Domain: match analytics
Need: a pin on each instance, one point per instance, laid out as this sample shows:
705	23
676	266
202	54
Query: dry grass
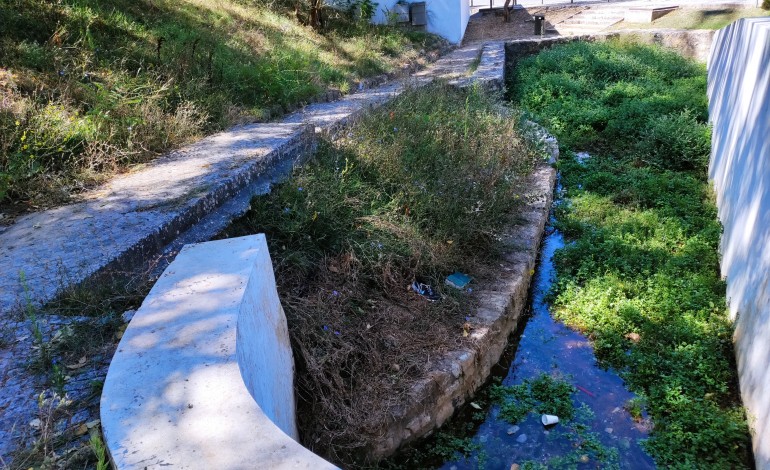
415	191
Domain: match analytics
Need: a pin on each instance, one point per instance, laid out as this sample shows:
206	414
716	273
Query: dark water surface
545	345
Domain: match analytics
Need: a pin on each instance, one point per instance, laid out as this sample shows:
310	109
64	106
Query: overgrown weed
641	276
416	190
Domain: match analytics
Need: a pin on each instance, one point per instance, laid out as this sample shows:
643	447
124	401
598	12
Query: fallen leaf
633	337
475	405
82	429
121	330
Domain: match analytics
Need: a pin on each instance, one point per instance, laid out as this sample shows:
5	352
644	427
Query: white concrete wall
739	108
446	18
203	376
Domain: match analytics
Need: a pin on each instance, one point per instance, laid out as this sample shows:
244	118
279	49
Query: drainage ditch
606	426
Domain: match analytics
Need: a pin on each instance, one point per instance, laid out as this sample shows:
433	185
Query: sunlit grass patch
90	87
641	274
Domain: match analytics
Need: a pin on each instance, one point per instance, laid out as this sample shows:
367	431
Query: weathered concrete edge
212	211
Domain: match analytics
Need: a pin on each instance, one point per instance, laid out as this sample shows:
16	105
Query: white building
446	18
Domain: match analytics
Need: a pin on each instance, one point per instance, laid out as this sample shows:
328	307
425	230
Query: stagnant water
545	345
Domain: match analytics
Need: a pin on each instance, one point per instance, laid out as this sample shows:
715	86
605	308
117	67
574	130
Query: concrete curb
203	376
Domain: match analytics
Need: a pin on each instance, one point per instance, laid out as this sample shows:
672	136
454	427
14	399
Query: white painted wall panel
739	109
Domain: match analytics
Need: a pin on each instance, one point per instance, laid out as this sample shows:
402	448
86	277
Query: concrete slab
646	15
203	376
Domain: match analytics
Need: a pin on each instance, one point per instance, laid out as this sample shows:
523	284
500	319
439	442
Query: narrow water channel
601	435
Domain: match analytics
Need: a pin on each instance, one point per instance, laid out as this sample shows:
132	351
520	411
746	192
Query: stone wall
739	109
693	44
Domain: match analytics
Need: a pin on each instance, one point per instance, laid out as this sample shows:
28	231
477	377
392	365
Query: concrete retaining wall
739	109
692	44
203	376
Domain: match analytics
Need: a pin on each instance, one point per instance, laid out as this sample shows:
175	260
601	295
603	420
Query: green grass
641	275
457	441
701	18
90	87
544	395
418	189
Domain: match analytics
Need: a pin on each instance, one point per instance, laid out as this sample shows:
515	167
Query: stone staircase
591	20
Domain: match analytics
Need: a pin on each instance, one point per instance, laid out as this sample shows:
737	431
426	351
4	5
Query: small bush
675	142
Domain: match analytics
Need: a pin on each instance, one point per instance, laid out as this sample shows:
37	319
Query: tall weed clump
416	190
641	275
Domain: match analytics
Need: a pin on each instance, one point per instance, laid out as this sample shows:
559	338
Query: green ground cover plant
641	273
90	87
416	190
458	442
543	394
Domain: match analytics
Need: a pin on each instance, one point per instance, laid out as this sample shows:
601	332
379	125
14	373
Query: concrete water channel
544	345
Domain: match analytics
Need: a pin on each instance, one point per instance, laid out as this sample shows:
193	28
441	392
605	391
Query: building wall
446	18
739	109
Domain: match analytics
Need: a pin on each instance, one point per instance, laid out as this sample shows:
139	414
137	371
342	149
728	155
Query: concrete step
593	21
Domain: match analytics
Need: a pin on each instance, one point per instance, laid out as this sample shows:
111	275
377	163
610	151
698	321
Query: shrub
675	142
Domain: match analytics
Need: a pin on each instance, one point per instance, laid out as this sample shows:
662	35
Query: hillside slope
90	87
